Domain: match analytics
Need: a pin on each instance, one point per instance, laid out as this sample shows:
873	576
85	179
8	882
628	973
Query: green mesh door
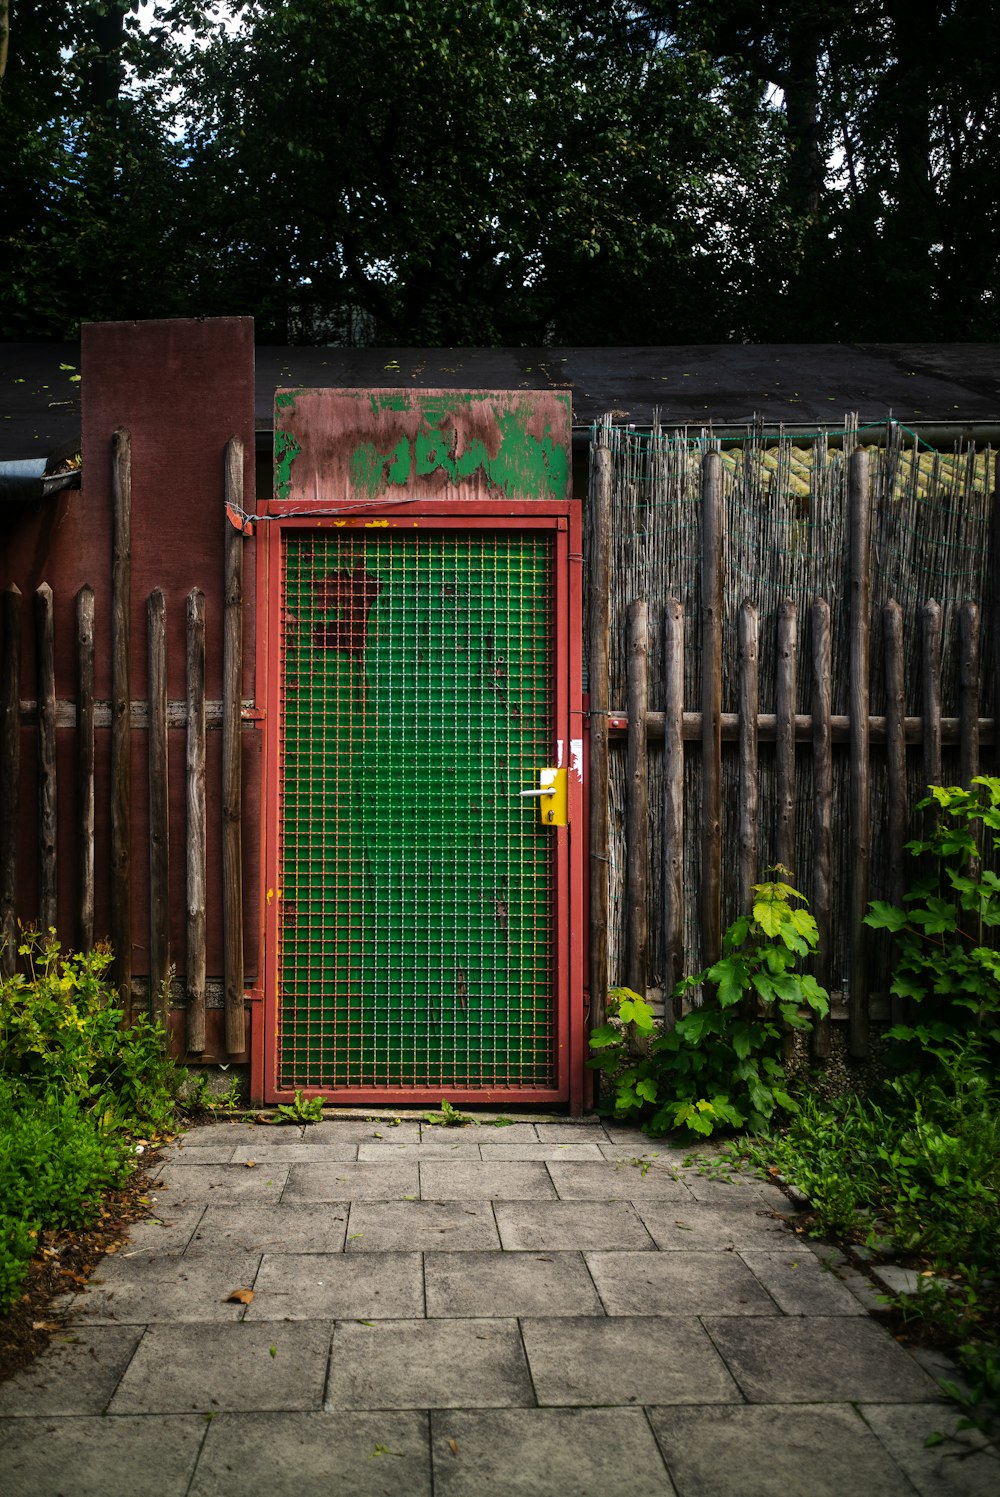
416	915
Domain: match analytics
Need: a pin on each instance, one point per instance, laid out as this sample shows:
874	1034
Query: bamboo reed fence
123	716
785	647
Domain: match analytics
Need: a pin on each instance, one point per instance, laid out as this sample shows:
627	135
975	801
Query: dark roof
802	385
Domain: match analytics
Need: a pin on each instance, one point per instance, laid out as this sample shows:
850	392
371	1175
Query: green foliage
74	1087
301	1110
947	963
448	1117
914	1173
720	1066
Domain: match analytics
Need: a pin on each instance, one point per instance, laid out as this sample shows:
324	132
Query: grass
76	1088
914	1175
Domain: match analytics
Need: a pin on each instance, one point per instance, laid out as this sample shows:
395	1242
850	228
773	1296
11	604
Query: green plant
61	1024
200	1095
720	1066
448	1117
943	961
301	1110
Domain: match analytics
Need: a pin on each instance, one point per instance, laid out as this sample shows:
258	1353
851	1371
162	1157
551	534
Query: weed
301	1110
720	1066
448	1117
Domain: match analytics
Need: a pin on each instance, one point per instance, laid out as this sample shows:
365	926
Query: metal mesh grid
416	916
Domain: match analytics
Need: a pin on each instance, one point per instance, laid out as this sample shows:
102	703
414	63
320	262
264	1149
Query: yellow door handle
551	796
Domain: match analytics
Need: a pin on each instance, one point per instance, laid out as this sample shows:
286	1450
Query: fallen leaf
453	1446
239	1296
274	1351
251	1164
45	1325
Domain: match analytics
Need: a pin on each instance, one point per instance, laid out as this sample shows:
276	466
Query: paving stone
963	1466
362	1131
622	1153
76	1374
800	1284
419	1364
479	1180
746	1191
237	1133
498	1153
203	1153
582	1130
546	1453
840	1360
625	1360
198	1185
554	1226
168	1289
178	1369
457	1148
621	1181
421	1226
95	1457
338	1286
712	1228
677	1284
822	1451
270	1152
368	1180
508	1133
316	1228
296	1455
169	1231
509	1284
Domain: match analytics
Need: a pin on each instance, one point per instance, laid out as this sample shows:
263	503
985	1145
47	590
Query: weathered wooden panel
351	446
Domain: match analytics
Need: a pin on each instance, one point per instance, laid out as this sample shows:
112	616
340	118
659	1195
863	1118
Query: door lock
551	796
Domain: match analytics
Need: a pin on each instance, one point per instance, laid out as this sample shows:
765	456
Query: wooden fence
123	717
833	801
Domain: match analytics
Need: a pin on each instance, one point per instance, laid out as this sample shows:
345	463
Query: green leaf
885	916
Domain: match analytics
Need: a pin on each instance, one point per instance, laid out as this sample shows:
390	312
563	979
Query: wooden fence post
121	718
711	709
822	819
45	671
196	854
159	815
85	760
968	628
860	604
930	639
232	745
784	841
895	741
599	683
10	770
749	786
673	798
637	807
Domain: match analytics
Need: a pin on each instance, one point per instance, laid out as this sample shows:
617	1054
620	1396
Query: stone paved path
553	1309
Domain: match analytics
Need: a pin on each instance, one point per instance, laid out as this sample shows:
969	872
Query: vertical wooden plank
637	807
859	585
232	788
711	708
159	808
45	672
599	676
895	735
822	819
85	761
968	629
785	681
121	726
196	844
930	638
673	798
10	774
749	791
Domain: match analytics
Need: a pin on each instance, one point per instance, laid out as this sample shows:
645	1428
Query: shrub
720	1066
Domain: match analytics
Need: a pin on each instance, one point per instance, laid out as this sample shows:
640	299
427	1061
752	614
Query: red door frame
562	518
